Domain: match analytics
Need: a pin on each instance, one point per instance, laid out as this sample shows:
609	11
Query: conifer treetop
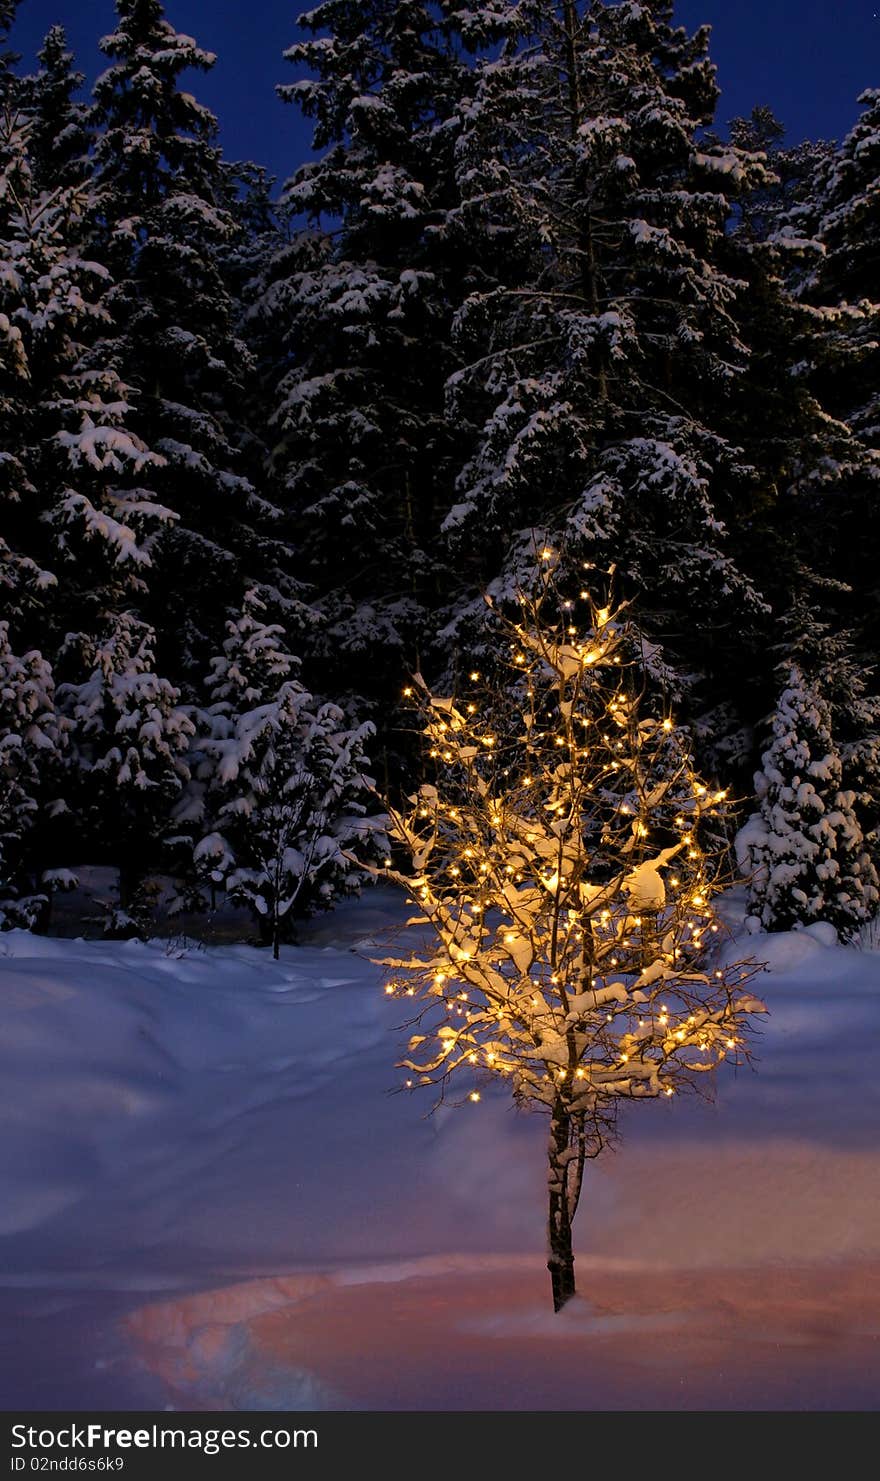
59	127
376	66
144	34
8	10
148	119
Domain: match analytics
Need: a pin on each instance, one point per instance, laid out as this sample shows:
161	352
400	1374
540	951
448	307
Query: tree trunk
576	104
650	937
266	925
269	926
128	884
560	1260
43	922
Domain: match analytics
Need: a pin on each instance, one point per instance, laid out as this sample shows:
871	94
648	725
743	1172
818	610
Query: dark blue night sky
805	58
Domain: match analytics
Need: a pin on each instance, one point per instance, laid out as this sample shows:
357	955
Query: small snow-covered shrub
280	790
803	850
30	739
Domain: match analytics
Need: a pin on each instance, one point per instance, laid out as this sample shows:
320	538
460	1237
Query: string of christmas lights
565	855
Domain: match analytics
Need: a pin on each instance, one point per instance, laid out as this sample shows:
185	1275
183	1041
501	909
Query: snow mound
211	1199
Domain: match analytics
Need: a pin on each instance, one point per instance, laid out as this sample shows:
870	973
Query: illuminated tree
559	857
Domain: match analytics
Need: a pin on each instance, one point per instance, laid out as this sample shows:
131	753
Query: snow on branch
558	855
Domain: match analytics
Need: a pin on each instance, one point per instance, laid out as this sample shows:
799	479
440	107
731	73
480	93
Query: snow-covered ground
210	1199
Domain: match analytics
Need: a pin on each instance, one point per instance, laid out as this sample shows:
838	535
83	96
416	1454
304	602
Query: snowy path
209	1198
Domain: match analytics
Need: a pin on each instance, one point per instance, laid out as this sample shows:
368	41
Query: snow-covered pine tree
72	475
788	189
831	660
14	173
81	529
804	849
280	794
838	223
360	306
558	852
130	738
8	58
30	745
601	338
813	340
16	572
844	214
165	222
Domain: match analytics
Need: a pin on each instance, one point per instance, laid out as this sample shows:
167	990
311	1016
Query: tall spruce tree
601	336
827	246
843	211
361	304
83	525
13	366
164	224
817	537
843	355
